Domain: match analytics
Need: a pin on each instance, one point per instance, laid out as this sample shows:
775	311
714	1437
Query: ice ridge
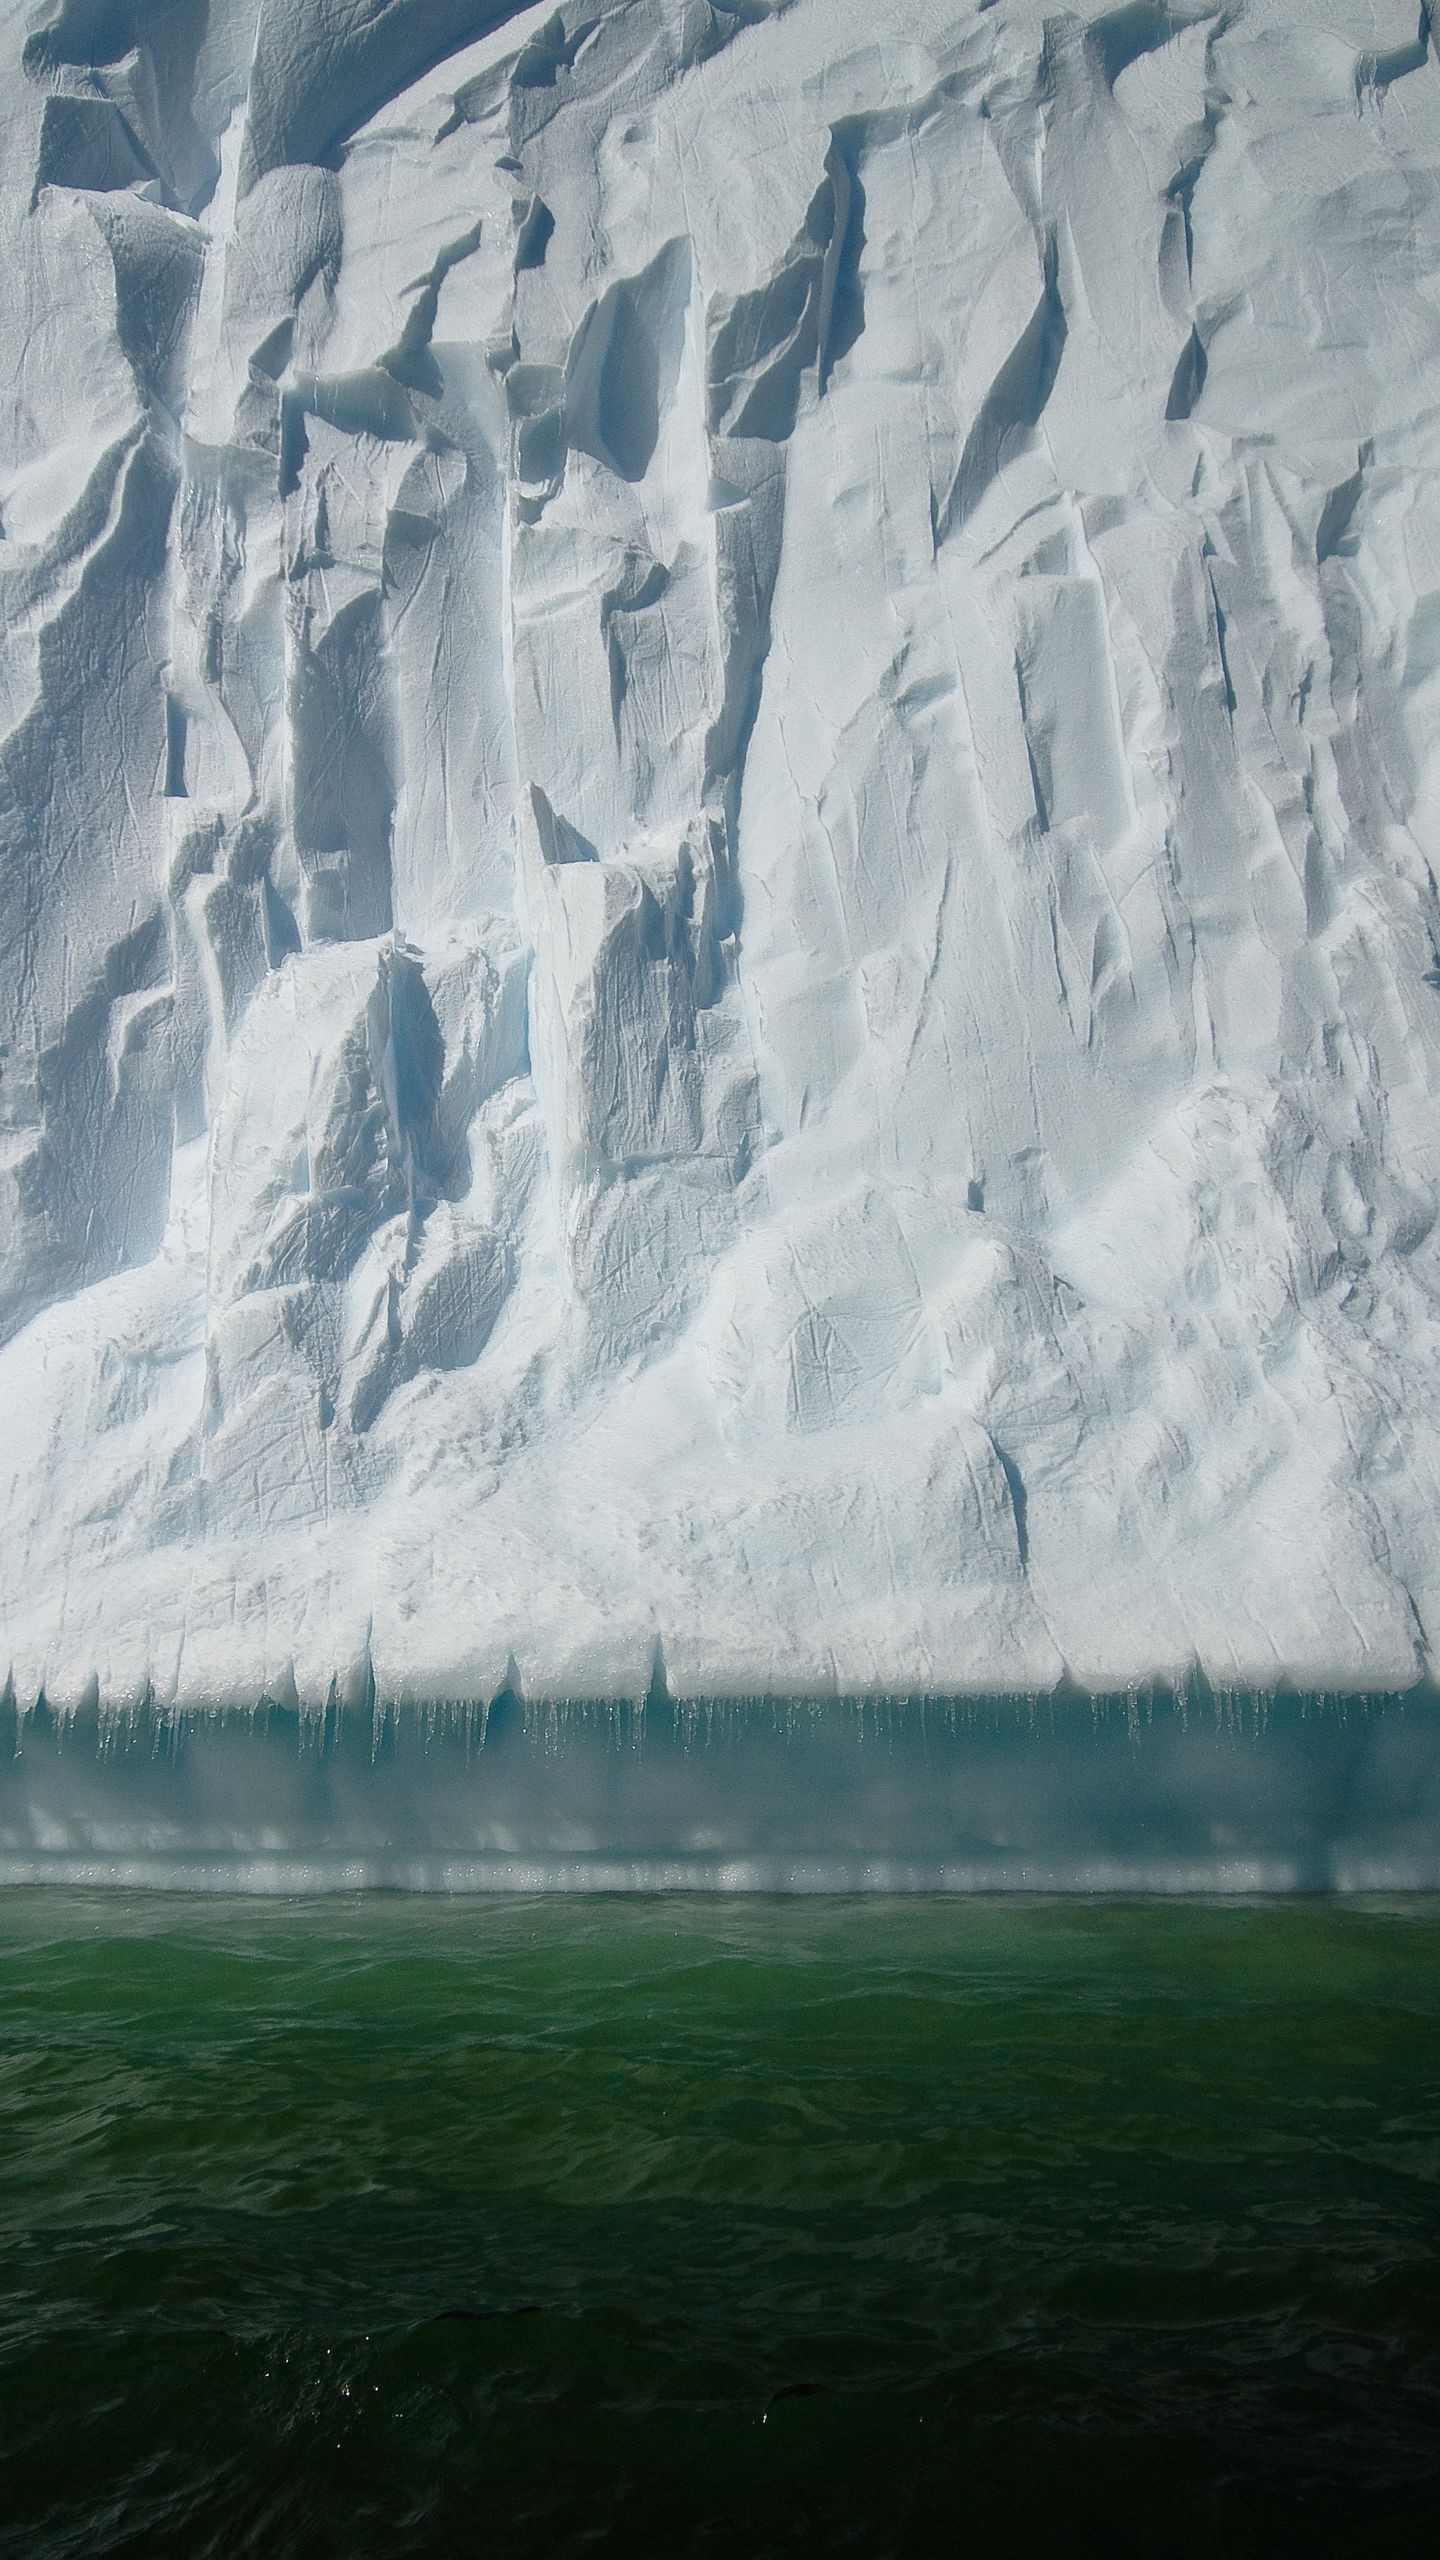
718	799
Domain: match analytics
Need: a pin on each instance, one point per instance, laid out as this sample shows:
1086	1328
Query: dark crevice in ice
1034	756
175	727
122	77
624	363
1189	379
643	584
1379	71
1015	1487
1180	193
1015	403
1127	34
809	312
294	443
552	49
1222	650
534	232
559	841
321	70
411	361
87	142
343	793
1334	537
842	295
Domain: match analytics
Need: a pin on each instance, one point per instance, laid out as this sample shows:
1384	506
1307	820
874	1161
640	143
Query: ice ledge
208	1678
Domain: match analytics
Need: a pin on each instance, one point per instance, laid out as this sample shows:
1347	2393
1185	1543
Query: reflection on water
394	2225
1154	1795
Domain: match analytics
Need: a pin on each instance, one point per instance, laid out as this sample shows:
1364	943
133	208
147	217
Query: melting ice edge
1149	1794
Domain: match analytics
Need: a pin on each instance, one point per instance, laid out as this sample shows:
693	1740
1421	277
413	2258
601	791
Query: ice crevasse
719	784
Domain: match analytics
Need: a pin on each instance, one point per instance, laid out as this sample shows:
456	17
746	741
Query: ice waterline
1158	1792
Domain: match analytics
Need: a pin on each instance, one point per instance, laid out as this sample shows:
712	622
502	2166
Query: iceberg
719	793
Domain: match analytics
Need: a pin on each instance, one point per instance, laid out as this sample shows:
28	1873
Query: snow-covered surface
721	760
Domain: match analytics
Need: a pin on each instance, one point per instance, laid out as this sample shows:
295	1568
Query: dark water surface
677	2226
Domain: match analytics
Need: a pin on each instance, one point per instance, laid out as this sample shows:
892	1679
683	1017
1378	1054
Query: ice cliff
720	768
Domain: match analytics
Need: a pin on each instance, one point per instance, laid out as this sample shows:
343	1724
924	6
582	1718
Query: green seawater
386	2226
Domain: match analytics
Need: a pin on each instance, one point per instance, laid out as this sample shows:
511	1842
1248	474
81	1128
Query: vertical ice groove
718	918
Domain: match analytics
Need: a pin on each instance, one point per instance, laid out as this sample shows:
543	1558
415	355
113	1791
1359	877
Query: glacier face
719	784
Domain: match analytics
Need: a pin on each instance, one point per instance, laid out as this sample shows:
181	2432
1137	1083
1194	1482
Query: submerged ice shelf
719	775
1147	1795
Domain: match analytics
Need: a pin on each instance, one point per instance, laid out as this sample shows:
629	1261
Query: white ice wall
717	802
